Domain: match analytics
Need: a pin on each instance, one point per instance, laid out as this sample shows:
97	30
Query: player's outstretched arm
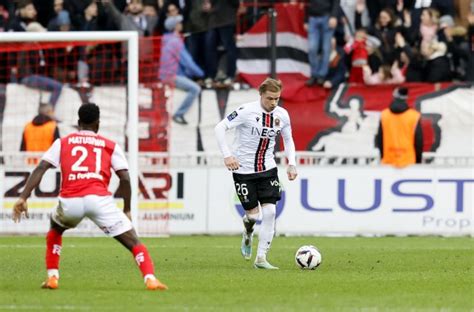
21	206
125	190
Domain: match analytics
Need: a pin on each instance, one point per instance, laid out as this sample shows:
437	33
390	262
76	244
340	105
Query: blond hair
271	85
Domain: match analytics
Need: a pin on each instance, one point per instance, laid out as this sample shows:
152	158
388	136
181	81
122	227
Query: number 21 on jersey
83	154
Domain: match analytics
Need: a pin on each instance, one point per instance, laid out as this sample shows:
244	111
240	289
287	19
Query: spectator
58	8
322	20
26	13
356	14
412	61
400	137
222	20
63	60
375	6
32	70
387	74
197	26
177	66
40	133
375	58
133	19
445	7
89	17
356	47
150	10
337	67
437	67
62	22
172	8
384	29
428	25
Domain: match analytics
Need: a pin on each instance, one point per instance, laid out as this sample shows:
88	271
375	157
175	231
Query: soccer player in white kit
86	160
257	125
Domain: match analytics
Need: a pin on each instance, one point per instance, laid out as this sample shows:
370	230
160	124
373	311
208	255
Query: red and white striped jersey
86	160
256	131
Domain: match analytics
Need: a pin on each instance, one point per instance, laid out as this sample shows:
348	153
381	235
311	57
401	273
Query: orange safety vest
38	138
399	137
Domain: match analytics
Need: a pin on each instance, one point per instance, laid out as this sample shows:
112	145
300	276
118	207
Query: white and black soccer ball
308	257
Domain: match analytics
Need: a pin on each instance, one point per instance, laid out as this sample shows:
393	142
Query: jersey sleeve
287	135
236	118
53	154
119	162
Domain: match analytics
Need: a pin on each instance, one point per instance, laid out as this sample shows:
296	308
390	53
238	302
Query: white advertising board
419	200
169	202
359	201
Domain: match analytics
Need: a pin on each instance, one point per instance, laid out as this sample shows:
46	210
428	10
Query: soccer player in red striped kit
86	160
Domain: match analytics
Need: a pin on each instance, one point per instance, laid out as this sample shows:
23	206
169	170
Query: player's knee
252	214
129	239
269	210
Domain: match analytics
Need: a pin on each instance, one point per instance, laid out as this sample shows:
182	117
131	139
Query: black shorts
263	187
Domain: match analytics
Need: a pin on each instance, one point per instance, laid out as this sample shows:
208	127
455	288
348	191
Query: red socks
54	241
143	260
53	252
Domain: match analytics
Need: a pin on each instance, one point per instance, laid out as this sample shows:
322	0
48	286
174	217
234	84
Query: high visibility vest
399	137
38	138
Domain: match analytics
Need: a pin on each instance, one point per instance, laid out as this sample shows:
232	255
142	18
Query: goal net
61	71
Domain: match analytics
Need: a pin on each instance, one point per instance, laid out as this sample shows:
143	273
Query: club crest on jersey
232	116
277	122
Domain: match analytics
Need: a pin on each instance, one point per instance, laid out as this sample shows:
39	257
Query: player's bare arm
125	190
21	206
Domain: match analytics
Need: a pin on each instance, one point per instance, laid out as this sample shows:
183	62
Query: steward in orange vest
400	136
40	133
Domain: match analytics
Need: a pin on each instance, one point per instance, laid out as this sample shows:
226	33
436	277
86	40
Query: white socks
53	272
267	230
149	276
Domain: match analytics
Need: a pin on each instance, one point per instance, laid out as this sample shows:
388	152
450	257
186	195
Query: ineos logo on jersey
265	132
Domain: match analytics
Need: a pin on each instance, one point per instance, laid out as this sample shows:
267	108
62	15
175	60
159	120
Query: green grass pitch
207	273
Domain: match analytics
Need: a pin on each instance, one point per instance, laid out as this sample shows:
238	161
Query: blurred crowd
389	41
372	42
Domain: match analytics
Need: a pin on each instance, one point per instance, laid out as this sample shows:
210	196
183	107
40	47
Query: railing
202	159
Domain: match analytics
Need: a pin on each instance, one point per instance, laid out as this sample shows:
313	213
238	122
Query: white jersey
256	131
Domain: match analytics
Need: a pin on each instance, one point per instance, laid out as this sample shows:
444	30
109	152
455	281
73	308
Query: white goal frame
131	37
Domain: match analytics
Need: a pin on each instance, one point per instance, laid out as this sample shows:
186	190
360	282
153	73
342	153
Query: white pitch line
38	307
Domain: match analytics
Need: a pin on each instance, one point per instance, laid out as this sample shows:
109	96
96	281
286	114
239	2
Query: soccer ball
308	257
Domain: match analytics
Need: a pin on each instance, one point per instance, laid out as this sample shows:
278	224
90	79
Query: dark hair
23	3
89	113
400	93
